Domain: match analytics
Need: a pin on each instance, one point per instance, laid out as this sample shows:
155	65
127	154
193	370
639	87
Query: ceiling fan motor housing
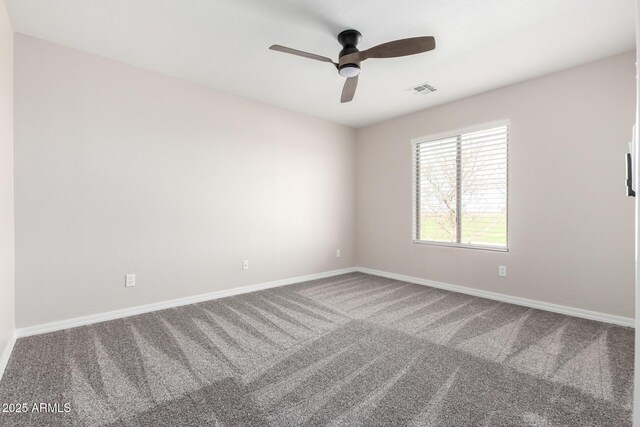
349	39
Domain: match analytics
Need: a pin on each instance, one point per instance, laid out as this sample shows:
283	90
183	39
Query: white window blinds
461	189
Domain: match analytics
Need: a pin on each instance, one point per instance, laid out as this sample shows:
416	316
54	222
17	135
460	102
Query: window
461	189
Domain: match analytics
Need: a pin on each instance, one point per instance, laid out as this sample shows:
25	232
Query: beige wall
120	170
571	228
636	396
7	301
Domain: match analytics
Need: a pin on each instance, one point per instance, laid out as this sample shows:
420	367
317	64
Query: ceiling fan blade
302	53
394	49
349	89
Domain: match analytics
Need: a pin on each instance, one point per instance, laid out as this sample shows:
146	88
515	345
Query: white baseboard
141	309
540	305
6	353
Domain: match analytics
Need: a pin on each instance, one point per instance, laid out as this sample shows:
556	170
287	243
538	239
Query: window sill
459	245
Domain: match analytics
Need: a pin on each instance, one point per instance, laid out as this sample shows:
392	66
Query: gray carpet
348	350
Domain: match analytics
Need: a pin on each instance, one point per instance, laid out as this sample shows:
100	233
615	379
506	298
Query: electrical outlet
130	280
245	264
502	270
338	253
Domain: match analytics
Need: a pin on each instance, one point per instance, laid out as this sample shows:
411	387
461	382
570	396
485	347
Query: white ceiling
481	44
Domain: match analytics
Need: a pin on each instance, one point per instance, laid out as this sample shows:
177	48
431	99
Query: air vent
424	88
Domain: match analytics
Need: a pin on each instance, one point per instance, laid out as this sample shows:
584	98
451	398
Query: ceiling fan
350	57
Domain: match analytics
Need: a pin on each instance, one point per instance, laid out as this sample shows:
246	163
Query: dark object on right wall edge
630	191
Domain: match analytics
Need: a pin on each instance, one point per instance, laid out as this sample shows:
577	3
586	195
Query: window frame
414	185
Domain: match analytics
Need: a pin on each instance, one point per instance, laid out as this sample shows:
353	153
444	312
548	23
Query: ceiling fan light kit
349	70
350	56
